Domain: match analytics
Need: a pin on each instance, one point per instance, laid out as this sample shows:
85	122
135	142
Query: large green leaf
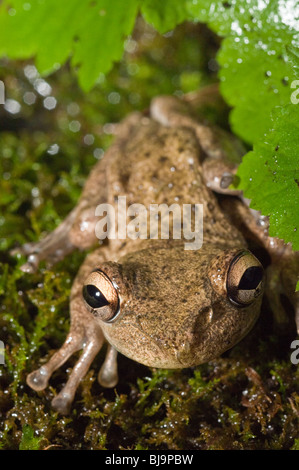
259	66
257	57
91	32
270	175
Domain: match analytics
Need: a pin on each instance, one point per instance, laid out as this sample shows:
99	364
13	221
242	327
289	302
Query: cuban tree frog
151	299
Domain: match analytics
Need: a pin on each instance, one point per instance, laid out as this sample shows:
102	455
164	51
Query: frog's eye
101	296
244	279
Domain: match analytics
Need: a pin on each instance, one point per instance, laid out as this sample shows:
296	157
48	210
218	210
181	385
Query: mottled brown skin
174	306
206	322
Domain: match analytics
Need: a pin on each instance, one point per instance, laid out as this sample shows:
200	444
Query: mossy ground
248	399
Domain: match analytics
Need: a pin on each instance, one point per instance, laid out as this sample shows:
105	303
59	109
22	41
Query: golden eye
101	296
245	279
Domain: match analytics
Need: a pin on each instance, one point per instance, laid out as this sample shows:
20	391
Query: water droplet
88	139
74	126
130	45
73	109
29	98
35	192
114	97
109	128
133	69
12	106
53	149
30	72
98	153
42	87
50	102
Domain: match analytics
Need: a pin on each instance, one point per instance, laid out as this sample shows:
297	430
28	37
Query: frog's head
172	308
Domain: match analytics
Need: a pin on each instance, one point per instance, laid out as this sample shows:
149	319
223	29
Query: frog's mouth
224	330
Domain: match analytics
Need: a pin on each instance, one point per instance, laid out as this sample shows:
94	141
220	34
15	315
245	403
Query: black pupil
251	278
94	297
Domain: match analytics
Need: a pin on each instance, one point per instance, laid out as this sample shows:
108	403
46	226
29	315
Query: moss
248	399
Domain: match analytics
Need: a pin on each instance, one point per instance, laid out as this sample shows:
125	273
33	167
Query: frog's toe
22	250
30	250
31	265
32	258
226	179
108	376
38	379
62	403
51	249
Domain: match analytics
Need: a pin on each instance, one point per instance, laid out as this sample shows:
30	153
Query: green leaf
91	32
258	57
270	175
297	286
102	35
164	15
28	441
242	69
259	65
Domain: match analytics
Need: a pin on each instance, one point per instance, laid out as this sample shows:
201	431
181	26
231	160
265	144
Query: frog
152	300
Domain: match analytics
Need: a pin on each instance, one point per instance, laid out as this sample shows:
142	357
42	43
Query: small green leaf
295	445
28	441
270	175
297	286
164	15
101	38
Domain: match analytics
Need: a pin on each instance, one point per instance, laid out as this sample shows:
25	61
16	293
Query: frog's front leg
290	270
282	273
54	247
76	231
222	151
86	334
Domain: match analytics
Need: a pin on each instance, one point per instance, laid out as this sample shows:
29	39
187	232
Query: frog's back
156	164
